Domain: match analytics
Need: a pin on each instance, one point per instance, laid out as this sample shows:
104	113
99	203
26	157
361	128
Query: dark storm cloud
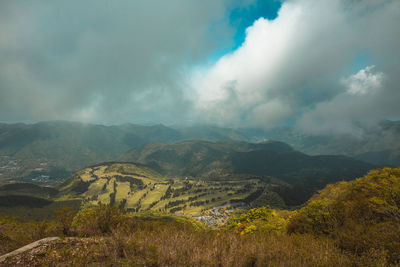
97	60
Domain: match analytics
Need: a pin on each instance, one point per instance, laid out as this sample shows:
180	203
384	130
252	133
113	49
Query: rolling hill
195	158
139	188
136	188
305	174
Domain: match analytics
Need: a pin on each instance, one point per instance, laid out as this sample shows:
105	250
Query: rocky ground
50	252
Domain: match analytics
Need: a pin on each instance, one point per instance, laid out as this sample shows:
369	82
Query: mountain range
55	149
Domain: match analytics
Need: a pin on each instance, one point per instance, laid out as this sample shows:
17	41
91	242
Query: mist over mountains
377	143
56	148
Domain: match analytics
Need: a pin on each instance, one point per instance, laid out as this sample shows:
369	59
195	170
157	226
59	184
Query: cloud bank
320	65
106	61
305	66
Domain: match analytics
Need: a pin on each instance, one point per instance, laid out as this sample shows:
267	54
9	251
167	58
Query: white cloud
292	67
240	82
364	82
357	104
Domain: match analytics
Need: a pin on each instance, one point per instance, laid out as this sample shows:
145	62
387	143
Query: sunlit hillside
138	188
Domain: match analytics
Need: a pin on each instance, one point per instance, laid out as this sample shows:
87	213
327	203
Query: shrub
101	220
64	216
262	219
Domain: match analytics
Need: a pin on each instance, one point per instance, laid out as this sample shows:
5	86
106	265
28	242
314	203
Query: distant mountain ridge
58	148
68	146
378	144
55	149
194	158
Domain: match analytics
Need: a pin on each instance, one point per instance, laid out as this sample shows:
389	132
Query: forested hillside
56	149
46	151
305	174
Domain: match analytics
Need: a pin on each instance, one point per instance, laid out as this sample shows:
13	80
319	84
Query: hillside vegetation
346	224
136	187
216	160
196	158
139	188
362	215
208	175
196	176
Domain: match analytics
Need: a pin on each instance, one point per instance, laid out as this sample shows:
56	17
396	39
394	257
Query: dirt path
28	247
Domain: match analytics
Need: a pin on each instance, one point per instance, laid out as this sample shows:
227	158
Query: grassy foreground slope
346	224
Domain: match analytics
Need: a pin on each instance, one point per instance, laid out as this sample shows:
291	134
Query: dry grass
113	238
173	244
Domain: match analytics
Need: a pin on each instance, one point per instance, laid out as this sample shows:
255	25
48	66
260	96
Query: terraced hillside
217	160
139	188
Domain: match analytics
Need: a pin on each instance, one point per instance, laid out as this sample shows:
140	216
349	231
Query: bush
262	219
101	220
64	217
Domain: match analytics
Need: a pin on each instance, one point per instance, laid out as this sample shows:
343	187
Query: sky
322	66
